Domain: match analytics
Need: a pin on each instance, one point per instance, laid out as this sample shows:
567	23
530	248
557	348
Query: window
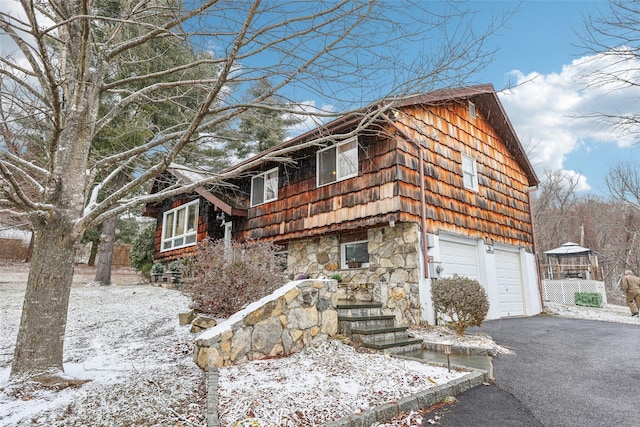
354	254
472	110
337	162
180	226
264	187
469	173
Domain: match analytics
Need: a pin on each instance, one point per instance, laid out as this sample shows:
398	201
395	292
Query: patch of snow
127	341
608	313
236	317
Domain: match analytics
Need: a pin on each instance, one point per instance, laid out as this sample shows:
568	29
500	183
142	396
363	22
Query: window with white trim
180	226
472	109
337	162
469	173
264	187
354	254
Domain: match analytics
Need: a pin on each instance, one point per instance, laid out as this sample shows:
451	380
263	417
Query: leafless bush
461	299
222	280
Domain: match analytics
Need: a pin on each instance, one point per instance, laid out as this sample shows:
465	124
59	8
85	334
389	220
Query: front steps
368	327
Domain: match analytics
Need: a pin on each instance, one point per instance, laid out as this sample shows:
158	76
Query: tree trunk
40	341
30	248
105	252
92	254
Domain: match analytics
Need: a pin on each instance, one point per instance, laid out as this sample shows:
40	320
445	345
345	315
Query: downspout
423	202
423	215
533	244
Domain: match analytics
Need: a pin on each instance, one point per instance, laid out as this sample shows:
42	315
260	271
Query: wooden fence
13	249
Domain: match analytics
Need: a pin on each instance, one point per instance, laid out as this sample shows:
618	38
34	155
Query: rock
186	318
204	322
266	335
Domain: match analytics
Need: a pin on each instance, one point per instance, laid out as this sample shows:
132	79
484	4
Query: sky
538	51
536	71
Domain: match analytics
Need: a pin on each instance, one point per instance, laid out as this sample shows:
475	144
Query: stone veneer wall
392	277
282	323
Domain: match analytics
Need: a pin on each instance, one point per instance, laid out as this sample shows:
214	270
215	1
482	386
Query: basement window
354	250
264	187
180	226
338	162
469	173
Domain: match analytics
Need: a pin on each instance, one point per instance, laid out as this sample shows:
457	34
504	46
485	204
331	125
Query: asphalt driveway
566	372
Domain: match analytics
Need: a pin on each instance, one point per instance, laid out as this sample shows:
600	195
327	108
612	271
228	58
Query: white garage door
509	281
459	258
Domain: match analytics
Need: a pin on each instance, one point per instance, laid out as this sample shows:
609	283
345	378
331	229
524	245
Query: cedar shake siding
387	187
499	209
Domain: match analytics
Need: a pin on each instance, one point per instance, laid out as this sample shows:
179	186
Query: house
391	197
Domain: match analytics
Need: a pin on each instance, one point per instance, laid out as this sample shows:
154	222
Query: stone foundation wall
392	277
280	324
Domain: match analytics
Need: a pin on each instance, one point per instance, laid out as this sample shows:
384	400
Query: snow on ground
608	313
127	341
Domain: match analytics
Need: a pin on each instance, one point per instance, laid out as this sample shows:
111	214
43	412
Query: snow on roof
189	173
569	248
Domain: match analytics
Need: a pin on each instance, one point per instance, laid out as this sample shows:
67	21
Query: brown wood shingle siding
388	184
304	210
499	209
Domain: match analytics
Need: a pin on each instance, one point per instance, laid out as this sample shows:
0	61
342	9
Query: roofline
485	93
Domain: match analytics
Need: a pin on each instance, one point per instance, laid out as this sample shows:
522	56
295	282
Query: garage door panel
509	283
459	259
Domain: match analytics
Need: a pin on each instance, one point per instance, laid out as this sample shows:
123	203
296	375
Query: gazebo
571	261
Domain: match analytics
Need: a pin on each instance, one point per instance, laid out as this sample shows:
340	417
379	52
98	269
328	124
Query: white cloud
311	117
549	111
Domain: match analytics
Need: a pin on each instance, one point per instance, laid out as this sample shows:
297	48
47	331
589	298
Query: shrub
462	300
222	281
141	254
157	268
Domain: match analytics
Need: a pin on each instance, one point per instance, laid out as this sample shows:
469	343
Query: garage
498	271
509	283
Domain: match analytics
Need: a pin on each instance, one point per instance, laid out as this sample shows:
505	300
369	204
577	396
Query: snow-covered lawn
127	341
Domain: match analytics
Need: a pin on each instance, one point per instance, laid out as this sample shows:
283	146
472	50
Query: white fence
563	291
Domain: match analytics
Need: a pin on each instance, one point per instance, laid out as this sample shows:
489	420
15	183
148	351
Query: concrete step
396	346
380	335
358	308
346	323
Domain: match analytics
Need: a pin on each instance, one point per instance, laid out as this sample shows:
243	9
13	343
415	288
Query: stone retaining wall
299	313
392	277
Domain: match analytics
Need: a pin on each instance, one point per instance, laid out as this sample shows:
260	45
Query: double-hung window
180	226
337	162
469	173
264	187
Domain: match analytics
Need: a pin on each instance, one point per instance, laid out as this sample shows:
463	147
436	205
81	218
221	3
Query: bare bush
462	300
221	279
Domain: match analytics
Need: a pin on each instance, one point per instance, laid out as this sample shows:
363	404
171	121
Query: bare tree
612	37
552	206
60	86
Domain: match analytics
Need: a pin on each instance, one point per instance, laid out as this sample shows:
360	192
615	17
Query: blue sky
537	71
538	58
538	46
